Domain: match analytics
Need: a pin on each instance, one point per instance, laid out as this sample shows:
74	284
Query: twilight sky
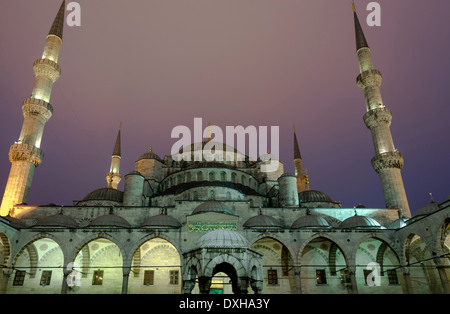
156	64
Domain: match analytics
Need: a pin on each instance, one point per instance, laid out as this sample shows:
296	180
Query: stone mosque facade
203	227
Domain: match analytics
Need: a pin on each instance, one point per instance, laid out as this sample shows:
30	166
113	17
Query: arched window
233	177
244	180
223	176
212	176
188	177
199	176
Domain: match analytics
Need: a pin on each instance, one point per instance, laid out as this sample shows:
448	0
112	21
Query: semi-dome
310	221
212	206
58	220
110	220
287	174
262	221
105	194
427	209
308	196
161	221
223	239
399	223
360	222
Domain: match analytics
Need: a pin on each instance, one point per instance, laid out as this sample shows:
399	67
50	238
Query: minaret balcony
369	78
34	106
25	152
387	160
47	68
377	117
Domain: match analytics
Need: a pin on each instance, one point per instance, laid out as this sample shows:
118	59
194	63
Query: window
173	277
46	277
321	277
97	278
272	277
392	276
19	278
149	276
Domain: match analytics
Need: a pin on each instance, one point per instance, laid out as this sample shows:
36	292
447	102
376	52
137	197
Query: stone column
64	284
4	283
408	283
242	285
444	279
188	285
354	285
126	275
298	280
204	284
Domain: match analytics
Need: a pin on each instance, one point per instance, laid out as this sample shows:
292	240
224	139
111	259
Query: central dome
105	194
314	196
223	239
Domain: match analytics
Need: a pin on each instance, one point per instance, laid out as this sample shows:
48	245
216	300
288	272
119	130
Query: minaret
25	155
387	162
298	164
113	177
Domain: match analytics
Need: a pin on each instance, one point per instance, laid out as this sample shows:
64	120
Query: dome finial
307	180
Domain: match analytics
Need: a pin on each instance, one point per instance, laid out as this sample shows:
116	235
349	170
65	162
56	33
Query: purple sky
153	65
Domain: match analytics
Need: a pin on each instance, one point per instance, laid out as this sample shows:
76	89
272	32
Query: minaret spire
298	164
113	177
387	162
361	41
25	155
58	24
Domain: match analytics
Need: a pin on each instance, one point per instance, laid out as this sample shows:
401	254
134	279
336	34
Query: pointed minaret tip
117	148
297	154
58	23
361	41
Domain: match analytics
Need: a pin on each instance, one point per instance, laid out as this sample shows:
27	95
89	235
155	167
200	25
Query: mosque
205	227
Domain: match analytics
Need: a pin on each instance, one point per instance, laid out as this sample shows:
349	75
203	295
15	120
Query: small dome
262	221
15	222
212	206
149	155
134	173
58	220
109	220
105	194
161	221
287	174
399	223
223	239
310	221
427	209
313	196
360	222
